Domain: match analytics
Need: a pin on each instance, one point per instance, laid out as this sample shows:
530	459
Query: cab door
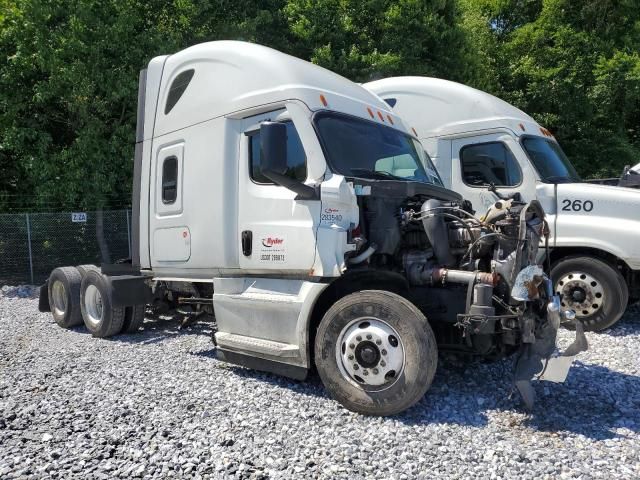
170	234
277	233
492	159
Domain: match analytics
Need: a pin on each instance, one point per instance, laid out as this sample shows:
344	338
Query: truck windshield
360	148
549	160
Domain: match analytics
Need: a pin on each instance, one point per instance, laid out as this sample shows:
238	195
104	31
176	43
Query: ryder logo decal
273	250
270	242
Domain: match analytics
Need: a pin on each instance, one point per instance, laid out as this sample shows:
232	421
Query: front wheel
375	352
593	289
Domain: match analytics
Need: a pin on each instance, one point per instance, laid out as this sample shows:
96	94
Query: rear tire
375	352
133	318
595	290
83	269
64	296
100	317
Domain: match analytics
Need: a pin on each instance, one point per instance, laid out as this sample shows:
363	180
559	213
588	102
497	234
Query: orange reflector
521	126
370	112
390	119
380	115
323	100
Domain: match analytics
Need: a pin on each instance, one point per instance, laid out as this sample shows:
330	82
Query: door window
489	163
296	158
169	180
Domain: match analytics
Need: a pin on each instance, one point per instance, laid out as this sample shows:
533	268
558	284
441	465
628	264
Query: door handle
247	242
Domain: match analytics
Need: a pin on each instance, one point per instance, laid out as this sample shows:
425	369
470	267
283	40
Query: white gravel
158	404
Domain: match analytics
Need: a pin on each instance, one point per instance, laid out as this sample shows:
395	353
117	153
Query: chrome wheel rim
580	292
93	305
370	354
59	297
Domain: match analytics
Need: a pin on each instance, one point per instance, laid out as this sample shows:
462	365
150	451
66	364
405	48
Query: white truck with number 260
485	148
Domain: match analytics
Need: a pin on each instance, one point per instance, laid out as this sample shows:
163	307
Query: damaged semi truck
485	148
296	205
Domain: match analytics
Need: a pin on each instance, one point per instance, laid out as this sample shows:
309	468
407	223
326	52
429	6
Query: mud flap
541	361
43	299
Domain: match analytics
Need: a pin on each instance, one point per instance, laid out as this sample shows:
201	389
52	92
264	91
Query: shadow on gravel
594	401
158	330
629	324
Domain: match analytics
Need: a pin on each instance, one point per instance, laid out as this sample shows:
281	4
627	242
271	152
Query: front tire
592	288
100	317
375	352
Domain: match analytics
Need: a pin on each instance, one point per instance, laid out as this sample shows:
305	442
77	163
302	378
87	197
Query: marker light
414	131
380	115
370	112
323	100
521	126
390	119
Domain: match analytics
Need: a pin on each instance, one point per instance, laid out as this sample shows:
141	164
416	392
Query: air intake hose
437	232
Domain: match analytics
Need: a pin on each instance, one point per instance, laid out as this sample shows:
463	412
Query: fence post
29	243
128	232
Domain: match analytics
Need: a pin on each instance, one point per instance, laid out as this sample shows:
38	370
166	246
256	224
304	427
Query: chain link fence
33	244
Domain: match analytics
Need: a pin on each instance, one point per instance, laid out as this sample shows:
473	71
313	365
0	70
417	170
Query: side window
177	88
489	163
296	158
169	180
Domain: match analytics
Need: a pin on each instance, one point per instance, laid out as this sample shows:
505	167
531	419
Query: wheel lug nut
378	342
369	336
350	357
365	372
356	366
375	371
358	338
383	363
384	352
352	346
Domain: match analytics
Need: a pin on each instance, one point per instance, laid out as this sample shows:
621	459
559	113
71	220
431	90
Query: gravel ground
158	404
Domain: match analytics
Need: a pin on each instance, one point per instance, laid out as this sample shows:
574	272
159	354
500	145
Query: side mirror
273	148
273	159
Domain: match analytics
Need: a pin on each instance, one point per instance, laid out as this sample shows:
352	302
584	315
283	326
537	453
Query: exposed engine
476	280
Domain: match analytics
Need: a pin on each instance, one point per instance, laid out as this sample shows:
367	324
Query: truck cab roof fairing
232	76
446	107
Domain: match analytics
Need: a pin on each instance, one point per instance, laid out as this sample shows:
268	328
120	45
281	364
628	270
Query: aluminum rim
93	305
59	297
580	292
370	353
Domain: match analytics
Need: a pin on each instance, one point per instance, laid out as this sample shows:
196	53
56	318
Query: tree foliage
574	66
69	70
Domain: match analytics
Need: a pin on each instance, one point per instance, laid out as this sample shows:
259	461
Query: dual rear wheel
82	294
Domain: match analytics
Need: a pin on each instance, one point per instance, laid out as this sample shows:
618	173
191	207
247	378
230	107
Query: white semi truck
294	204
484	148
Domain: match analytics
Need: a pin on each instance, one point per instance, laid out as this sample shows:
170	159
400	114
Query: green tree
573	66
68	87
366	39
